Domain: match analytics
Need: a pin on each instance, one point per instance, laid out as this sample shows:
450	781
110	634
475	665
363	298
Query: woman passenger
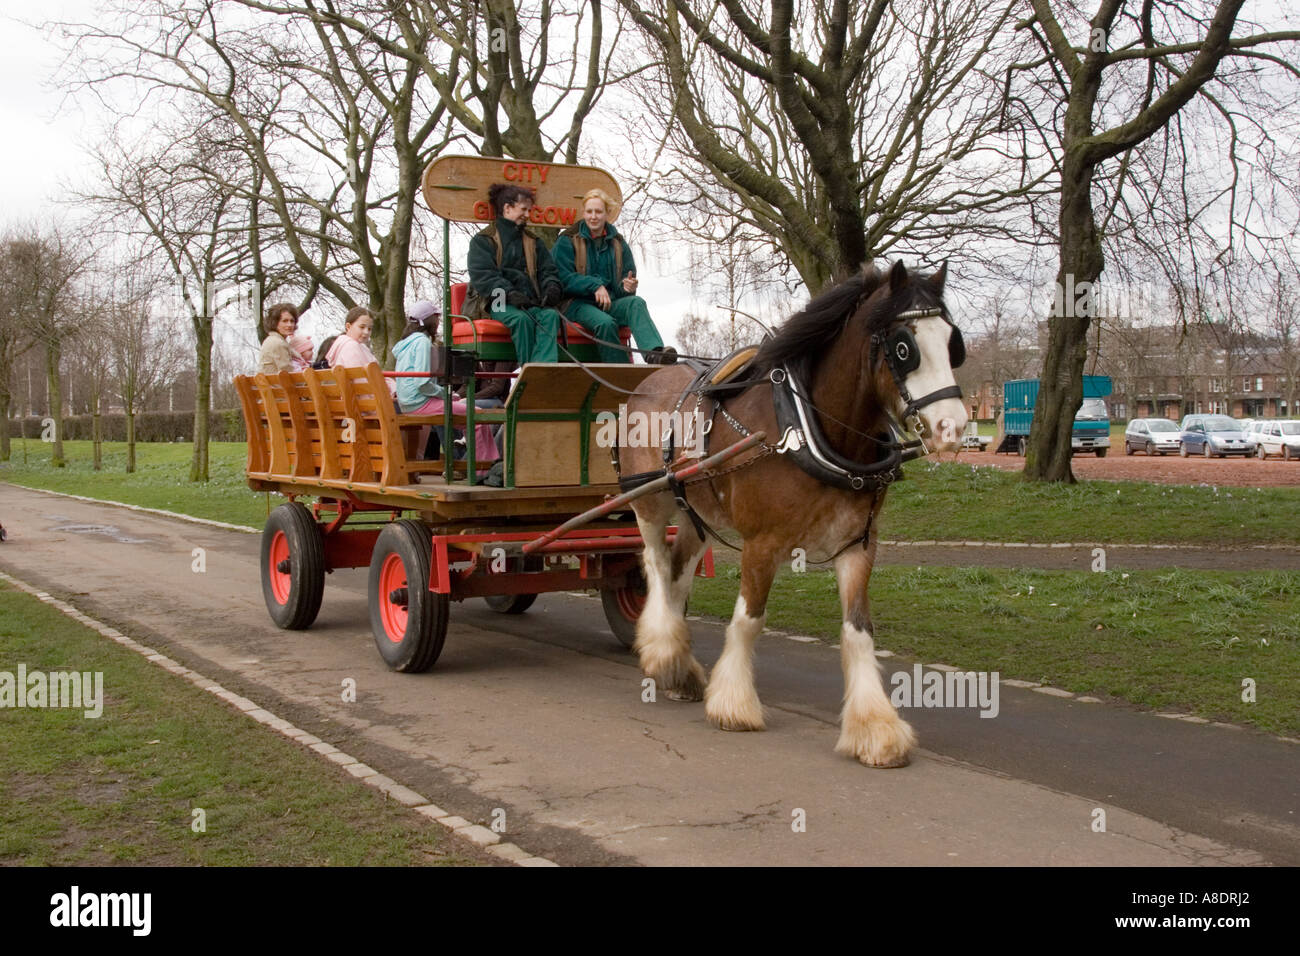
276	356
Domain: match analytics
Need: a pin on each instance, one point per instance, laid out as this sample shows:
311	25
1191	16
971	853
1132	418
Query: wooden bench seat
335	426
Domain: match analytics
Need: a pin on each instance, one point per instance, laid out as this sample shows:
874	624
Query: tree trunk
55	391
5	402
1060	389
97	430
202	399
130	440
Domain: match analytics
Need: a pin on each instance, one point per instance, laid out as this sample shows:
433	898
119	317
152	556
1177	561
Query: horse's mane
809	333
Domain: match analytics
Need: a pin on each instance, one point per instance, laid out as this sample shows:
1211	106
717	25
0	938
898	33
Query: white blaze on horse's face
944	420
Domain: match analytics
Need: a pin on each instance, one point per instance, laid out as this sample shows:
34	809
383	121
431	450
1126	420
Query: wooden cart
332	443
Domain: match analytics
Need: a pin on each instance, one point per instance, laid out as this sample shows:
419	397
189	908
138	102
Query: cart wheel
1101	452
408	620
293	567
623	606
515	603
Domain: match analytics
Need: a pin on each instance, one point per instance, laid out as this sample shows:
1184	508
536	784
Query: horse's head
914	349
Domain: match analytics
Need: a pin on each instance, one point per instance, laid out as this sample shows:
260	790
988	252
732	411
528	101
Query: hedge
223	425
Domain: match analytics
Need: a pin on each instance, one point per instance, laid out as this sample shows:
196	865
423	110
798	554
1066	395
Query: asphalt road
542	716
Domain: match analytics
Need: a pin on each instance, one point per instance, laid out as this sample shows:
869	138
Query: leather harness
802	437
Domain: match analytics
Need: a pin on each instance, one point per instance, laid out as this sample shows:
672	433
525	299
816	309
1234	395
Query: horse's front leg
870	729
731	701
663	638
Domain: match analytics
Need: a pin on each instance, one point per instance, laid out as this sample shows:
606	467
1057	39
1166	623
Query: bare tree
146	350
1114	81
846	131
45	267
15	331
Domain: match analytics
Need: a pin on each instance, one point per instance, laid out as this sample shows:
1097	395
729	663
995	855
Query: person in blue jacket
597	269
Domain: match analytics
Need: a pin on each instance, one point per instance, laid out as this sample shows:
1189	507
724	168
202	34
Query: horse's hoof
735	715
883	746
737	725
684	695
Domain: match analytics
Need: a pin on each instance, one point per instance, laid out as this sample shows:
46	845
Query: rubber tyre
293	598
1286	452
1205	450
1101	452
1128	449
1151	449
1022	447
622	608
410	636
515	603
1261	454
1182	450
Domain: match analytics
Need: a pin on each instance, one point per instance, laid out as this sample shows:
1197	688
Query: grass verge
1168	639
938	501
161	479
121	789
947	502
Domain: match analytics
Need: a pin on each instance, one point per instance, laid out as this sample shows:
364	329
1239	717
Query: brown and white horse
776	507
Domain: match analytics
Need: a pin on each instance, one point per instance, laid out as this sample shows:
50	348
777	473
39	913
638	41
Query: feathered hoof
691	685
728	711
881	743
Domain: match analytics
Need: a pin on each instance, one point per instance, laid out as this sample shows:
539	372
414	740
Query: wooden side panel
328	423
254	425
361	469
279	441
546	453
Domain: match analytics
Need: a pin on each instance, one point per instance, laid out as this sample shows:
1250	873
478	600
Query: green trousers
629	311
534	331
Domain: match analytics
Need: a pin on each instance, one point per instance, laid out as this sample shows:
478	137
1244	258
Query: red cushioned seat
491	339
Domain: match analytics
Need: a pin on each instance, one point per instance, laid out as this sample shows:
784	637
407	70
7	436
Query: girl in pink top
352	348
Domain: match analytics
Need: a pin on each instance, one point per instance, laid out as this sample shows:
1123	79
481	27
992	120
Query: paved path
541	716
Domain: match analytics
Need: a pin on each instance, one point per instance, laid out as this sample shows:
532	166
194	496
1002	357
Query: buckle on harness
792	440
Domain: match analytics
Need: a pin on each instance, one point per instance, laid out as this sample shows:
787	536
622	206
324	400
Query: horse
854	357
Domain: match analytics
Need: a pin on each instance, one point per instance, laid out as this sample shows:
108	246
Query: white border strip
479	835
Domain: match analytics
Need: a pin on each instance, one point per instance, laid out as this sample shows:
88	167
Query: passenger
596	267
301	346
280	322
424	396
352	348
512	277
322	353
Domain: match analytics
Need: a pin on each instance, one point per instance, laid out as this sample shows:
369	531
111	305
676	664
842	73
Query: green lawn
937	501
1182	640
161	479
946	502
121	789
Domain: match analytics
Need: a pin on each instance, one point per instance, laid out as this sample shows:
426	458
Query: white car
1155	436
1277	438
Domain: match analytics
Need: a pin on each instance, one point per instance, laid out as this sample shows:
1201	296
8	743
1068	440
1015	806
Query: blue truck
1091	423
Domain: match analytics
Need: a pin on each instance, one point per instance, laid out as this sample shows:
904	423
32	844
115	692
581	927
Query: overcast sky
48	131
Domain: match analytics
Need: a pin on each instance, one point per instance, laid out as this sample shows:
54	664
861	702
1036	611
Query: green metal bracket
584	433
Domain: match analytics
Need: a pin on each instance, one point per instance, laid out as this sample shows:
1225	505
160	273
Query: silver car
1155	436
1277	438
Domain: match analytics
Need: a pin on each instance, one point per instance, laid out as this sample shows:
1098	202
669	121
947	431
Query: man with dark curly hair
512	277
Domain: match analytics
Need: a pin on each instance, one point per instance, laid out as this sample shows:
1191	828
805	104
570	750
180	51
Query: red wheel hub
281	581
392	577
631	601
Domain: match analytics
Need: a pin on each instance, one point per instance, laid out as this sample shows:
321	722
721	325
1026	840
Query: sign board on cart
456	187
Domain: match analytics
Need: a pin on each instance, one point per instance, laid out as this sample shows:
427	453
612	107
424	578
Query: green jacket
486	277
600	263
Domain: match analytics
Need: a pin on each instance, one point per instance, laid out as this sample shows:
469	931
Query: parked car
1155	436
1213	435
1278	438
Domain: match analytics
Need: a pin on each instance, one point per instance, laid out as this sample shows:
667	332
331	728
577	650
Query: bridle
902	355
